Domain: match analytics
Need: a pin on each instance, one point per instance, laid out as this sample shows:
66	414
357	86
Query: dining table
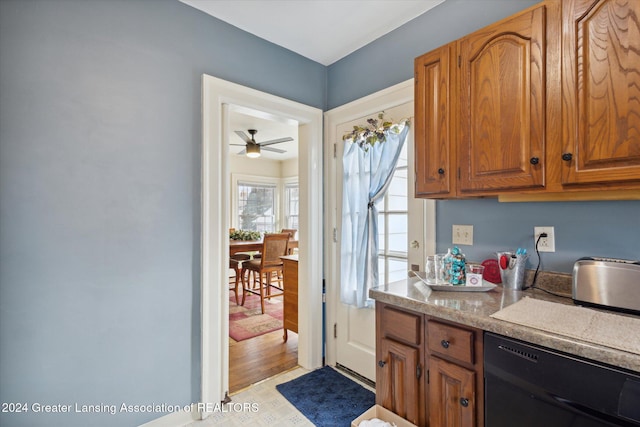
236	246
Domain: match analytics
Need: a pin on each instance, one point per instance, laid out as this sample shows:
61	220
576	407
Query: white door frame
218	96
372	104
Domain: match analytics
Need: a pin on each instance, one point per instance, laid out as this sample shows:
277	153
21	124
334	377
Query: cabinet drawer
401	326
456	343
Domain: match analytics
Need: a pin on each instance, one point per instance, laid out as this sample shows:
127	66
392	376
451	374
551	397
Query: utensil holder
512	271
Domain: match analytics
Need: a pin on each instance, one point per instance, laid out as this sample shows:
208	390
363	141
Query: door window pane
393	226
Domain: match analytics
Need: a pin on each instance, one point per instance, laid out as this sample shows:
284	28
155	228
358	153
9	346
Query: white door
351	337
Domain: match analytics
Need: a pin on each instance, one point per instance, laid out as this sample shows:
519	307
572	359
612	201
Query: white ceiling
322	30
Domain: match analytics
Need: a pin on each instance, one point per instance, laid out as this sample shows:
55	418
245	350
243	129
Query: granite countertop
475	308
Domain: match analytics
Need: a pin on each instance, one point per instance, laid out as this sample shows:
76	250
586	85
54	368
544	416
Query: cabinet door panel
502	105
433	133
601	91
452	401
397	372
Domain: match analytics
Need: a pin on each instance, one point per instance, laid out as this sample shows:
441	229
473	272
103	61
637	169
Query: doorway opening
219	97
264	199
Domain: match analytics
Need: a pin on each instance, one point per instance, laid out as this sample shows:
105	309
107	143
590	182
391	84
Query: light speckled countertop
474	308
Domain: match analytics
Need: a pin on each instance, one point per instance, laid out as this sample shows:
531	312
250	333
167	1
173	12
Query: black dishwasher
531	386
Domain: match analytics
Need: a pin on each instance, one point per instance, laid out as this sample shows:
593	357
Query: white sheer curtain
367	173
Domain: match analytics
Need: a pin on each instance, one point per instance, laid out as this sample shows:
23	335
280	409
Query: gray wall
581	228
100	120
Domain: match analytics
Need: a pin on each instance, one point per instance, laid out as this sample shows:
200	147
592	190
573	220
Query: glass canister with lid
454	267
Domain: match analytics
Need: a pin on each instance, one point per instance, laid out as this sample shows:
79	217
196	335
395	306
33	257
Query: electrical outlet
546	244
462	235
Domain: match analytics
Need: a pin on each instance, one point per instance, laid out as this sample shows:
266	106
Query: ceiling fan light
253	150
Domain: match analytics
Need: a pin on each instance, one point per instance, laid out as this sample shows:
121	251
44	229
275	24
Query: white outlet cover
546	244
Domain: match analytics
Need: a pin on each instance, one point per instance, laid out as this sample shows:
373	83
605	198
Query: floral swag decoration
245	235
374	131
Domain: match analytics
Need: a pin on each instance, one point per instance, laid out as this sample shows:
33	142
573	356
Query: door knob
441	171
381	363
444	343
464	402
534	160
567	157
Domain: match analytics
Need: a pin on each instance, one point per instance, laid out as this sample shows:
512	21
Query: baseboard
175	419
356	376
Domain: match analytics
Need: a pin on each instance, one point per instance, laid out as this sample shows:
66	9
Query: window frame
257	180
289	183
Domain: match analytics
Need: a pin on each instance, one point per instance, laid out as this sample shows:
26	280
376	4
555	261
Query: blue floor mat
327	398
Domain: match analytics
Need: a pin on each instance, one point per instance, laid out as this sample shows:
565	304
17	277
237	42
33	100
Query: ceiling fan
252	148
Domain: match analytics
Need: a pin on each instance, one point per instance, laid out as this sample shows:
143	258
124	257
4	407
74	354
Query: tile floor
261	405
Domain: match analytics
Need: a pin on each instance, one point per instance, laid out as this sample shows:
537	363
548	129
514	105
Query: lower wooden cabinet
400	385
430	371
452	394
399	372
290	309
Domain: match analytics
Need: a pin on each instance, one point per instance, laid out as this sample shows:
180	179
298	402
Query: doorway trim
218	97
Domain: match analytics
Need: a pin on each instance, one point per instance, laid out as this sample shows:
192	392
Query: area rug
327	398
248	321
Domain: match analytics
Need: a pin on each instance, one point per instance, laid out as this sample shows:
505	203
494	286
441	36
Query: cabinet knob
381	363
464	402
567	157
444	343
534	160
441	171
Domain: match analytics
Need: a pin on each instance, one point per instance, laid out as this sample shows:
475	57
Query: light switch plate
462	235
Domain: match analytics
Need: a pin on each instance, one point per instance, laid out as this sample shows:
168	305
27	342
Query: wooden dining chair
273	247
235	264
291	231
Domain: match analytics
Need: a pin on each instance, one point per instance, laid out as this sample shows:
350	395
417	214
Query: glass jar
454	267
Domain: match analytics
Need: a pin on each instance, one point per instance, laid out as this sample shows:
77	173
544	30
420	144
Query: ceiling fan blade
243	152
239	145
275	141
275	150
243	135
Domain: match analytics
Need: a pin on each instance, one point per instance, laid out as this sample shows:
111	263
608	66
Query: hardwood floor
259	358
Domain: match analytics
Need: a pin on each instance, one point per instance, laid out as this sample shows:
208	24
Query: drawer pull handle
464	402
381	363
444	343
567	157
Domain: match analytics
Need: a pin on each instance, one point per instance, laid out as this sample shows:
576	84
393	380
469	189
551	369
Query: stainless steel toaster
607	283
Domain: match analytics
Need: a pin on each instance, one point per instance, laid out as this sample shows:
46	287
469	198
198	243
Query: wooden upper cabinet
601	91
435	175
545	103
502	71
